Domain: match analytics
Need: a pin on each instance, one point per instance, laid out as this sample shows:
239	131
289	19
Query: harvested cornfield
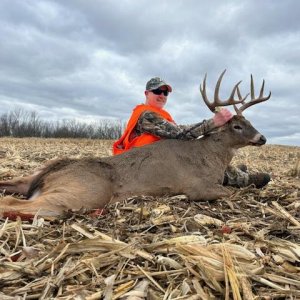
246	246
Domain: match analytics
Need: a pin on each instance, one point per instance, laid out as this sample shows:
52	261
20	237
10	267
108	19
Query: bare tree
20	123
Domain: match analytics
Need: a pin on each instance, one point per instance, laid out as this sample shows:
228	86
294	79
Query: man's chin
160	105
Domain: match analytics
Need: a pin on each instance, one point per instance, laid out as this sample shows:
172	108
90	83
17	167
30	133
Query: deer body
168	167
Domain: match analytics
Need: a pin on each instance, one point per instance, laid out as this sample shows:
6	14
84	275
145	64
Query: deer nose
262	140
258	140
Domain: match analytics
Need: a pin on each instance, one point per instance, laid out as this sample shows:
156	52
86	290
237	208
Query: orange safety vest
126	142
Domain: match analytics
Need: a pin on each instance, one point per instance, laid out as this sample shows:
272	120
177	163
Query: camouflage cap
155	83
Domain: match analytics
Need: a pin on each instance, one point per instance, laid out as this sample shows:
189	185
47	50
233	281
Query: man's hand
222	117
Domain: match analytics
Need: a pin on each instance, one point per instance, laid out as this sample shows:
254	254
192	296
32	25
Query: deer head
241	131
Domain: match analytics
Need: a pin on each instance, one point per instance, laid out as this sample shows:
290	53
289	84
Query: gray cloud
91	59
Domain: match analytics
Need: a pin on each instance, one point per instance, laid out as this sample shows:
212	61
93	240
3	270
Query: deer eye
237	127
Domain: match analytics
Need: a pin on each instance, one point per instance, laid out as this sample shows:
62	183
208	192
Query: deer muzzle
258	140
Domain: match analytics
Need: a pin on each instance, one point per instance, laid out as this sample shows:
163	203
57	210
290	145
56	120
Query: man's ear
146	93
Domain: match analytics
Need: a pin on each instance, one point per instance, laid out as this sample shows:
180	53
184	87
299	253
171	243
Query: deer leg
219	191
21	185
43	205
60	195
18	185
207	192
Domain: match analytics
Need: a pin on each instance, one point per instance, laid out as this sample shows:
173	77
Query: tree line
20	123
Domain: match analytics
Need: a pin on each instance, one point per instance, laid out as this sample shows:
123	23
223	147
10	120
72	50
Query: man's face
157	98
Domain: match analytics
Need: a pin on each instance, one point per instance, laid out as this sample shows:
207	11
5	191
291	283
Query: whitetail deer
168	167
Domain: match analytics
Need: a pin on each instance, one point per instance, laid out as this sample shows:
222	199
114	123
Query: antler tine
230	100
204	96
241	99
252	88
217	101
262	92
253	99
240	96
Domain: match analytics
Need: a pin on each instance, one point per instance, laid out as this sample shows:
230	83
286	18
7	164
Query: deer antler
217	102
253	99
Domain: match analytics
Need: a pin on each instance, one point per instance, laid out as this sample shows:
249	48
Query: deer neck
221	146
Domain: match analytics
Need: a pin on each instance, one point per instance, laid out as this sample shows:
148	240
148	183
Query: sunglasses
159	92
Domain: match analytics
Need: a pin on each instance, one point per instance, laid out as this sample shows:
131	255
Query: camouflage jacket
152	123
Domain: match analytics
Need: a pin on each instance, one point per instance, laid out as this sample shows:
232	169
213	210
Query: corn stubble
243	247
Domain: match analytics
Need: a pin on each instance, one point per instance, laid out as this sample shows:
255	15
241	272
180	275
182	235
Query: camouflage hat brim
162	84
155	83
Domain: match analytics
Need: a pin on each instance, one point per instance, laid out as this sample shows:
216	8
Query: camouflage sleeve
198	129
153	123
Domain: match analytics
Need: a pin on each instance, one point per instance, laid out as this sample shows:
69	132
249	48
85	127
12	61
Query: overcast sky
91	59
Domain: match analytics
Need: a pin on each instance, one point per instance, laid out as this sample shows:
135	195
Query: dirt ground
246	246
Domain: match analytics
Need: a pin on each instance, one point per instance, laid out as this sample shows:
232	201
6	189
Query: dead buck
168	167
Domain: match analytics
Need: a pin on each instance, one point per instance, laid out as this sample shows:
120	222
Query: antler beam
217	101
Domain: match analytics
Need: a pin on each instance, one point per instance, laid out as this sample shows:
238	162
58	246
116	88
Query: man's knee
239	177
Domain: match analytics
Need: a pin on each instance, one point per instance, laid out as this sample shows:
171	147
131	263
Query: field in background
246	244
22	156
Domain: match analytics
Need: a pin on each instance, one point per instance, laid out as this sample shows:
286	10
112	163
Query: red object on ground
98	212
225	229
13	215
